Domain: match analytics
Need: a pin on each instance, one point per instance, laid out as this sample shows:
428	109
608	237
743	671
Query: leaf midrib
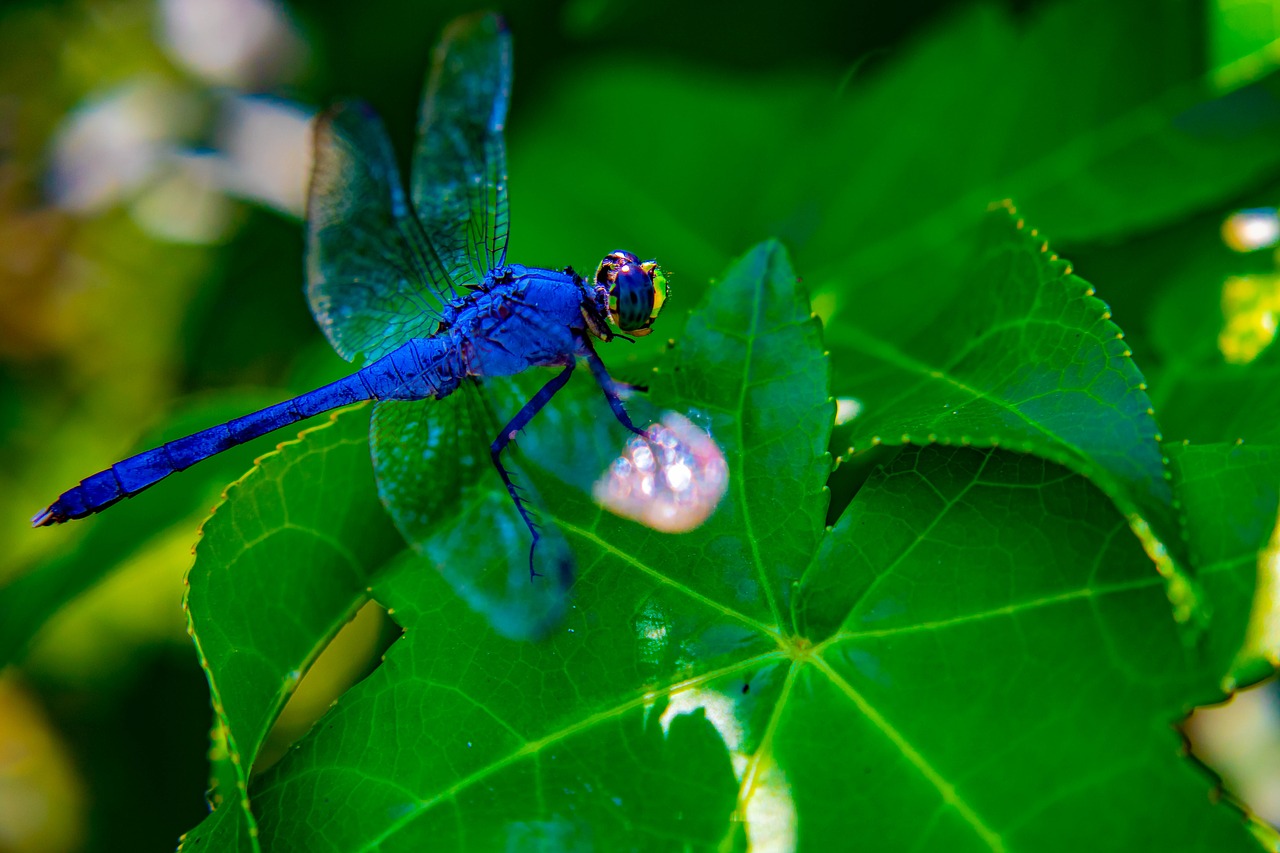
533	747
739	422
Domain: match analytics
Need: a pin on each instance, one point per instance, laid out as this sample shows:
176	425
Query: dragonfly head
630	292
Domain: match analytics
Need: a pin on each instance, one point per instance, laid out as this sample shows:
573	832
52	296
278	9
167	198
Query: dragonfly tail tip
45	517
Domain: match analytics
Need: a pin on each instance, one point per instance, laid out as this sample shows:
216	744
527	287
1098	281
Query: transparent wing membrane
459	182
426	453
381	268
373	280
436	479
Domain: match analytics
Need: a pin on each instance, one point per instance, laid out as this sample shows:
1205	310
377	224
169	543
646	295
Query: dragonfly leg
519	422
610	388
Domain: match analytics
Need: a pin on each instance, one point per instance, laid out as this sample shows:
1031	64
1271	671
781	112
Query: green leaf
1242	40
1183	316
1025	357
752	359
1226	402
283	564
1094	115
973	613
979	649
1229	496
1214	305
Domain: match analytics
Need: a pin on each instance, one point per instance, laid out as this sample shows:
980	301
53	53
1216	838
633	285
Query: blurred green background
153	156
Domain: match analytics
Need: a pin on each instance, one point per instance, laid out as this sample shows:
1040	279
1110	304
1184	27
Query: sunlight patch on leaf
1263	637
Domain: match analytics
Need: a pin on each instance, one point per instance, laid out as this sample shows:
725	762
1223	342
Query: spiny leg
610	388
519	422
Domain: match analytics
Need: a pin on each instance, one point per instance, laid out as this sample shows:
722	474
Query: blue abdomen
421	368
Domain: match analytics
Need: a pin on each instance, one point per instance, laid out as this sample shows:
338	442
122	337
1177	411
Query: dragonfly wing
435	477
426	454
373	280
459	182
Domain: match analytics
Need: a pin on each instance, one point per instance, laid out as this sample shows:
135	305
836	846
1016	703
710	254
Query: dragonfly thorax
520	317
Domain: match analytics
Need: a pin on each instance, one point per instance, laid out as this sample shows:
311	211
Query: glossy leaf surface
980	631
1024	356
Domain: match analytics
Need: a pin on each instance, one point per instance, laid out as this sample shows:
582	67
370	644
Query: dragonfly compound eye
637	291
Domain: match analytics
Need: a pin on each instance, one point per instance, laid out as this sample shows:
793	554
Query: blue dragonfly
420	287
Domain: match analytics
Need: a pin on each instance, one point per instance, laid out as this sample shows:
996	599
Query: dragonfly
419	286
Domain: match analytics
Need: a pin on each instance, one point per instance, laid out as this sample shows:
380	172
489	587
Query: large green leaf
283	564
986	627
1242	40
977	656
1026	357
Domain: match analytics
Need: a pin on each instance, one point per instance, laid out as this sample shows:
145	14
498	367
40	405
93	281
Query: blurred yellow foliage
1249	307
137	605
31	243
340	665
42	799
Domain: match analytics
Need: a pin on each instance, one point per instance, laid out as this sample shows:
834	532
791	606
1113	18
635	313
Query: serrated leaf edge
215	693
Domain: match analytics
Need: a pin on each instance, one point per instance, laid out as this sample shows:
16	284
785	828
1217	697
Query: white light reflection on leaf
770	811
652	634
671	480
847	408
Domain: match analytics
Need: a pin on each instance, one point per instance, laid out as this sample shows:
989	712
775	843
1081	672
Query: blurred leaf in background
123	176
1244	40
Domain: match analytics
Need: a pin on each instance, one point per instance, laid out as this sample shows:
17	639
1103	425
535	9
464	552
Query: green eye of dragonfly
637	291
